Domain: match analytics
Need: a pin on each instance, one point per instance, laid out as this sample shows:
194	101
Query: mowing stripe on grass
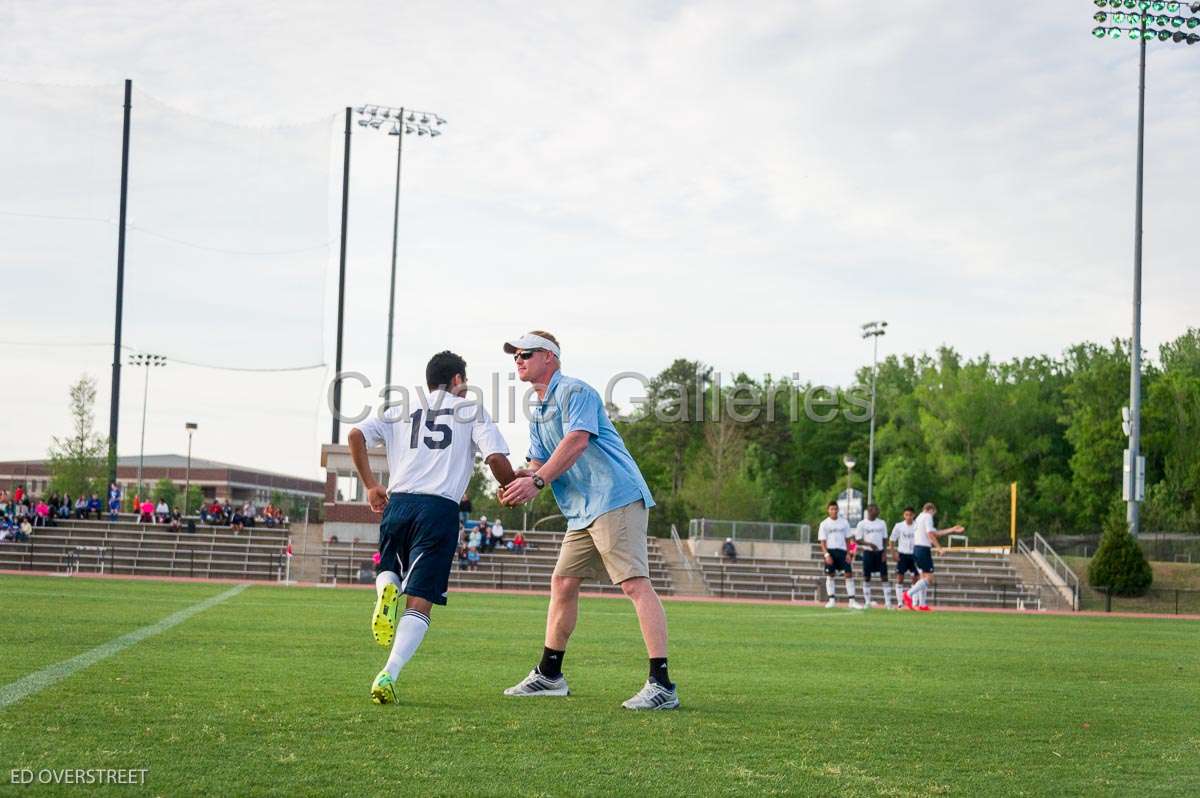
52	674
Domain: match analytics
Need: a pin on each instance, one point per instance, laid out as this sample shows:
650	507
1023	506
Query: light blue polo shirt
605	476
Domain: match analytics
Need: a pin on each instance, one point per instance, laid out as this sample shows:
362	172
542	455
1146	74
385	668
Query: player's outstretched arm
376	494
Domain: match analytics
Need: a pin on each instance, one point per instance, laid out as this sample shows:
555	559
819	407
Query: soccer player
430	453
832	535
925	539
575	449
900	545
872	531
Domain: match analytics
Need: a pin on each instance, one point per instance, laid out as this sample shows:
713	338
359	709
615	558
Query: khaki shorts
615	543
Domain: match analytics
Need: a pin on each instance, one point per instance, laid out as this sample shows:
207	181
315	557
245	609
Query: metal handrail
1063	570
687	561
699	527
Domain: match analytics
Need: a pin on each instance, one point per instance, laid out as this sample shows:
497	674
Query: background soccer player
925	539
431	453
900	544
872	533
574	448
832	535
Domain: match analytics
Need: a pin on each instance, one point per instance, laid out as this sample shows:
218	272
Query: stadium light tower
148	362
1142	21
399	122
191	427
873	330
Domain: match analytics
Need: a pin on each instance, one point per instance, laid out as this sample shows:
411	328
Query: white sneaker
869	605
653	696
854	605
831	604
537	684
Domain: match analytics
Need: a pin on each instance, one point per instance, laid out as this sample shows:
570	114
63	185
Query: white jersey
902	536
922	527
834	533
432	449
873	532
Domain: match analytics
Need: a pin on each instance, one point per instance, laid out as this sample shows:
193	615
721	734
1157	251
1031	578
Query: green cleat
383	619
383	691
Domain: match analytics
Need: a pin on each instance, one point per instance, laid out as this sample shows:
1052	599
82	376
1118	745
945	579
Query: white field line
52	674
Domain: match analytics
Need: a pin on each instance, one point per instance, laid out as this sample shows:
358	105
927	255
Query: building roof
176	461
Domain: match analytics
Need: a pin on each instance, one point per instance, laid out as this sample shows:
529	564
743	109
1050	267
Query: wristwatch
538	482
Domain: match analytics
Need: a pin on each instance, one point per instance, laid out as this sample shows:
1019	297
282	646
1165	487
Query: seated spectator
474	538
729	551
333	539
24	531
497	534
162	513
175	520
237	521
366	574
462	558
472	559
41	513
518	543
146	512
485	533
94	506
64	507
81	508
18	494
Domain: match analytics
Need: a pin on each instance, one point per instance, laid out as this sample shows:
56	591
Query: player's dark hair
909	509
442	368
831	504
872	505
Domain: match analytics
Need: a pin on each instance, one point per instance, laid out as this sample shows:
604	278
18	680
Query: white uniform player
872	535
431	448
833	535
925	539
900	544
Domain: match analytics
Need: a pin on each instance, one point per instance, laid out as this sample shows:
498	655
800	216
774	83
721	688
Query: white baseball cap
531	341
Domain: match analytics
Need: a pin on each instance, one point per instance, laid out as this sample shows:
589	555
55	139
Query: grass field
266	694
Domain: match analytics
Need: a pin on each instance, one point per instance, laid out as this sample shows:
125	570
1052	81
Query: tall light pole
849	462
1142	21
873	329
399	122
187	479
148	362
114	409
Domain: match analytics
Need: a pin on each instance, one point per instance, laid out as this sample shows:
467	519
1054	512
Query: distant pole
115	401
1013	515
873	329
187	478
387	377
1135	354
146	361
337	367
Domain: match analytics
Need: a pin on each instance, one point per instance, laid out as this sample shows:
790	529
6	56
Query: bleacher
129	548
962	579
499	569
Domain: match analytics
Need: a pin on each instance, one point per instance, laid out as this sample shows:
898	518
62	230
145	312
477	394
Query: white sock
924	595
385	577
409	634
850	588
830	587
867	592
887	595
915	590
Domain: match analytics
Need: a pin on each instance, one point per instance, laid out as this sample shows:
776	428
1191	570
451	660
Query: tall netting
228	248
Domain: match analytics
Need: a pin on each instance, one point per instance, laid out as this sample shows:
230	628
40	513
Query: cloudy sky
742	184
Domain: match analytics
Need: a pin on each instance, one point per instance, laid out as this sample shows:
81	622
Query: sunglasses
528	353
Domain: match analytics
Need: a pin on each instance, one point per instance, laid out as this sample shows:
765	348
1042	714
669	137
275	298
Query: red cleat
908	605
925	609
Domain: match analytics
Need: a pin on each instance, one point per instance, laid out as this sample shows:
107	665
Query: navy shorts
418	540
924	557
906	565
874	563
840	563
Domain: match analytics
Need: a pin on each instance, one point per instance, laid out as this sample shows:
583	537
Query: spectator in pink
147	511
42	513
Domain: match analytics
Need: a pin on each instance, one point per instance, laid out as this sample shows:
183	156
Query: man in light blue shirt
575	449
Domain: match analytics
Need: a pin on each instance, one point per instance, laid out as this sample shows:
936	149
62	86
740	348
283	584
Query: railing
1169	601
702	528
1061	569
683	555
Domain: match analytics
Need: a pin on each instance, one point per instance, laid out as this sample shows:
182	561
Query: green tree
77	462
166	490
1119	564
